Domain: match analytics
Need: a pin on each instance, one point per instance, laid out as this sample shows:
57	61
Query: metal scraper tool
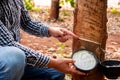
86	40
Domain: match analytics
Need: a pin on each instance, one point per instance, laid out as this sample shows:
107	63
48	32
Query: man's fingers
75	71
67	32
70	61
63	38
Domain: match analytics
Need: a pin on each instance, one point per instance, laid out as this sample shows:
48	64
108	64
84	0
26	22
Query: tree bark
90	24
54	12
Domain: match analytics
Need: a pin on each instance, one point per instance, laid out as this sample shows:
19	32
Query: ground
52	47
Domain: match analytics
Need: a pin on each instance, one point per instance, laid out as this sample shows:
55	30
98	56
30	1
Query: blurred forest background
40	11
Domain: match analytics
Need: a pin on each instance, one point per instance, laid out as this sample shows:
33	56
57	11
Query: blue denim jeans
13	67
12	63
32	73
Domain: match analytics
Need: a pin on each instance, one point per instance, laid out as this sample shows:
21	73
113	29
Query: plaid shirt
14	16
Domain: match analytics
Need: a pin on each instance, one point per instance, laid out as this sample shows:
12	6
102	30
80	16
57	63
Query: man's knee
12	57
12	60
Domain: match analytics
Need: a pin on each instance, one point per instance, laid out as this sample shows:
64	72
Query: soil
53	47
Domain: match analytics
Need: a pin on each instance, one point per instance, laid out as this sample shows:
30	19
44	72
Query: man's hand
64	65
61	34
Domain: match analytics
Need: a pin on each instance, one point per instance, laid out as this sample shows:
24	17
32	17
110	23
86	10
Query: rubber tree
54	11
90	24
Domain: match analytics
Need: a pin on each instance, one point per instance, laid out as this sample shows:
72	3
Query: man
14	57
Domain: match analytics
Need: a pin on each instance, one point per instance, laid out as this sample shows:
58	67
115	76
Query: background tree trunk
90	23
54	12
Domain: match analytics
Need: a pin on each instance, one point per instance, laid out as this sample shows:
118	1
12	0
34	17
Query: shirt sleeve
31	26
33	58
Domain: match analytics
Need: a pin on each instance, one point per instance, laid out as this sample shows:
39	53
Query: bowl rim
109	60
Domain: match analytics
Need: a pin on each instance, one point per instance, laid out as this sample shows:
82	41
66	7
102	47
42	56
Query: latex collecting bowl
110	68
85	60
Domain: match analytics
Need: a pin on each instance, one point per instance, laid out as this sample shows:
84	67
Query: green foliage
115	11
60	49
28	4
62	2
64	13
35	9
72	3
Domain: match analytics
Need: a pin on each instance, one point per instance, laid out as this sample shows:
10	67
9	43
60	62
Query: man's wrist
52	63
49	31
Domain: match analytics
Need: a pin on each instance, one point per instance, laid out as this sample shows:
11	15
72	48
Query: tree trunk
90	24
54	12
